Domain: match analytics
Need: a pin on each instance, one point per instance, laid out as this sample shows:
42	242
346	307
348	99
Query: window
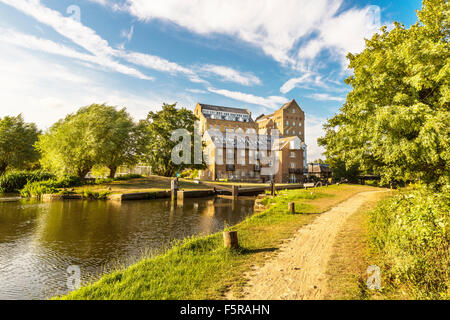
292	154
293	110
287	123
293	123
292	165
242	153
293	131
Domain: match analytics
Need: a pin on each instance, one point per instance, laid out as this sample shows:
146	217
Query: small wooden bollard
272	188
292	207
235	191
174	188
230	239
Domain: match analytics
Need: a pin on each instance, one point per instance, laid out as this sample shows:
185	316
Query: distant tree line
96	135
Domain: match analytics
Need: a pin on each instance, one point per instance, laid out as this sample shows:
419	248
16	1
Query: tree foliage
96	134
396	119
160	126
16	143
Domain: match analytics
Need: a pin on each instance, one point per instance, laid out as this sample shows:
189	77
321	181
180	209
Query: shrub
189	174
128	177
38	188
91	195
16	180
103	180
410	234
69	182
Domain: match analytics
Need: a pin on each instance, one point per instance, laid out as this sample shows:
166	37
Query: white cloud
275	27
305	81
314	130
272	102
198	91
44	45
45	91
325	97
341	34
230	74
88	39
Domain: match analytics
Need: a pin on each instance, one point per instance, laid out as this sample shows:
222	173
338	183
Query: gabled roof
288	104
263	117
318	167
224	109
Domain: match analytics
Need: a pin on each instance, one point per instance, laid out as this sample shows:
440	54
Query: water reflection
38	240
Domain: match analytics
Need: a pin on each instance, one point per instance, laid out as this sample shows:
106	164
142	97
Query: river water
40	240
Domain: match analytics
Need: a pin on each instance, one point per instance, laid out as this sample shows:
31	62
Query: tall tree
16	143
395	121
118	138
160	126
96	134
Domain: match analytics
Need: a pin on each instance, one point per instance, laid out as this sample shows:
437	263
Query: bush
128	177
189	174
16	180
410	234
103	180
38	188
69	182
91	195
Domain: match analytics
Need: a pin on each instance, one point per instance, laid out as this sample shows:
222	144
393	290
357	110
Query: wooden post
174	188
292	207
272	188
230	239
235	191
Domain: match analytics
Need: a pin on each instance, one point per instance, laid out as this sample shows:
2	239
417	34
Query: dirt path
298	272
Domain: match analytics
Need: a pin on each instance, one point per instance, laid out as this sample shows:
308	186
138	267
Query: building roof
318	168
224	109
263	117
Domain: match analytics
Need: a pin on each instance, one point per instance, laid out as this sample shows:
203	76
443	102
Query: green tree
396	119
119	139
16	143
96	134
159	127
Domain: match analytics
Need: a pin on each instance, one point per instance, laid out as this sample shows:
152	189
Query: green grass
410	242
200	268
348	264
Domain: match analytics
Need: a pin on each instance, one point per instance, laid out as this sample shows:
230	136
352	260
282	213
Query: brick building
241	149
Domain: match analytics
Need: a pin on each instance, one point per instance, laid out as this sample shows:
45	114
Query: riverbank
200	268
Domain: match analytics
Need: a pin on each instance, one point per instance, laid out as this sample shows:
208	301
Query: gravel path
298	272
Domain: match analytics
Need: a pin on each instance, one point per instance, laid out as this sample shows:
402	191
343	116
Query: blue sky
59	55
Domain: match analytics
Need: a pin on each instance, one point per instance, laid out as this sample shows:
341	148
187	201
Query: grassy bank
200	268
407	235
410	242
348	265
